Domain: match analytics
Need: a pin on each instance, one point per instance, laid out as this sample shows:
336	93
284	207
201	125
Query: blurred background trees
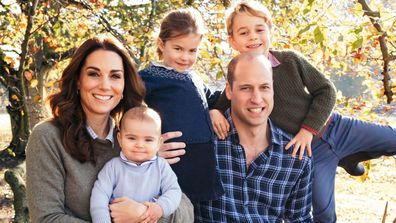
353	42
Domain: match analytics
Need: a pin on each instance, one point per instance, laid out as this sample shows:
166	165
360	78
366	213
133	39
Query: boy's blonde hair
251	8
141	113
180	22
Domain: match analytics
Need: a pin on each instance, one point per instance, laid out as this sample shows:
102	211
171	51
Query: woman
65	154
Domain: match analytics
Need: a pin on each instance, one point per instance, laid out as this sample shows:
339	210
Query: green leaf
358	43
310	2
219	75
358	30
10	152
303	41
318	35
304	30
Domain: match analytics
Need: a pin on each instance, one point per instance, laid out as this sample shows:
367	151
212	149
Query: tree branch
220	66
374	17
24	48
226	3
367	11
62	55
149	24
107	26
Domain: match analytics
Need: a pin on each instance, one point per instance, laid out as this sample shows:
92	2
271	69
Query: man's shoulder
281	138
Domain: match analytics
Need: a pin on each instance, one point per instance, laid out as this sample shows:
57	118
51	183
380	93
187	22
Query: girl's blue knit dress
183	100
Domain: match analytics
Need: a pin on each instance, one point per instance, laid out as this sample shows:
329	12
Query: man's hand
172	150
301	141
220	123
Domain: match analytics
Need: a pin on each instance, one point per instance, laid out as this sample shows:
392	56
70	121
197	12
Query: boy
138	173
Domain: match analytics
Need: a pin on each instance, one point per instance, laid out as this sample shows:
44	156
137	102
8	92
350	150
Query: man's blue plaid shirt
275	187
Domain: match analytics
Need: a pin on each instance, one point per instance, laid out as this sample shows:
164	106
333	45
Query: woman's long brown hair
66	107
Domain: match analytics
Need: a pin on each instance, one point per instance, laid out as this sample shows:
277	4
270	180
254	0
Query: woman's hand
301	141
172	151
220	123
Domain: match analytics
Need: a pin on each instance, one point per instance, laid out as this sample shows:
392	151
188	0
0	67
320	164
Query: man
262	181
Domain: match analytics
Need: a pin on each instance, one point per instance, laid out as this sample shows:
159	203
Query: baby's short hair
142	113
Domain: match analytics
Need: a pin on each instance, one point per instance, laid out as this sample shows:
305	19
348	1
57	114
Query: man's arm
298	206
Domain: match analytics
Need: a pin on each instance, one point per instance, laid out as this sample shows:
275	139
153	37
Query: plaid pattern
275	187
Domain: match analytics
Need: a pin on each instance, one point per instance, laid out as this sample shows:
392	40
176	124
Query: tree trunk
15	178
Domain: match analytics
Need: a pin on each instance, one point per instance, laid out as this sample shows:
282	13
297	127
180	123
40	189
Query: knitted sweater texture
59	186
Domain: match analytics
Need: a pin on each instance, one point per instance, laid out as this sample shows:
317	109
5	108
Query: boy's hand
220	123
301	141
153	213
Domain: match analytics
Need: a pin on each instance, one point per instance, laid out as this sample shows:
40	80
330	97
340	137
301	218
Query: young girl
303	105
182	100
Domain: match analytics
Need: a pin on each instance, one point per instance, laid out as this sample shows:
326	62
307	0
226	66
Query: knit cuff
313	131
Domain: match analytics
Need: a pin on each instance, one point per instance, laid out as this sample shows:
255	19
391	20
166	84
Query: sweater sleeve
222	103
45	177
323	93
211	96
102	194
171	192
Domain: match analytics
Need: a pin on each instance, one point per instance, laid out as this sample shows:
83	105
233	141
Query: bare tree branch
226	3
374	17
189	2
220	66
106	25
62	55
149	24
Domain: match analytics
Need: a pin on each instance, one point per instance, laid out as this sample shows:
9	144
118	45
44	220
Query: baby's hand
153	213
220	123
301	141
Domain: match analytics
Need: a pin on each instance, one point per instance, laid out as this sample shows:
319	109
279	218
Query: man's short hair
244	56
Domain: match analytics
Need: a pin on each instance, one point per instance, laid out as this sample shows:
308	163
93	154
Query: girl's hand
301	141
220	123
172	150
153	213
125	210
